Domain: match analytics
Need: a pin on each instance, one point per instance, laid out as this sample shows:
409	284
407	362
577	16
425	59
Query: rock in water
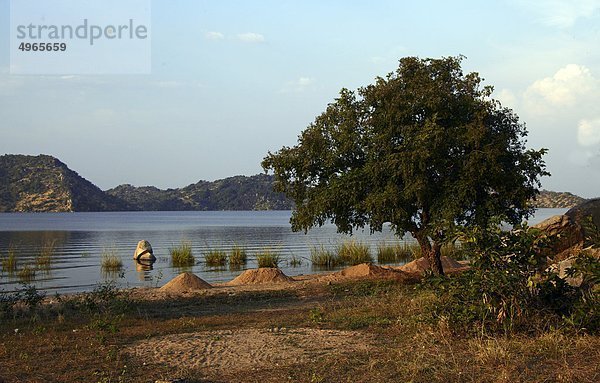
144	251
185	282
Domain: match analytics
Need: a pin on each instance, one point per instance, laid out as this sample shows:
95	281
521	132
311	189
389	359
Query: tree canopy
425	149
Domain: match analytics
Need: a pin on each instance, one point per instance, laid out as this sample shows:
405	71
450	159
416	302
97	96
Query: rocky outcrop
233	193
44	184
580	214
552	199
564	234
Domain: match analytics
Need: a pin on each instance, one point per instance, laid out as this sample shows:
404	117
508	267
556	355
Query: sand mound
261	276
367	270
185	282
422	264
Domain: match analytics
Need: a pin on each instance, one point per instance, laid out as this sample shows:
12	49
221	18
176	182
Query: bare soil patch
247	349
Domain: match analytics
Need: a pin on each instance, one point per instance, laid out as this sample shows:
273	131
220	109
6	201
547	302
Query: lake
80	239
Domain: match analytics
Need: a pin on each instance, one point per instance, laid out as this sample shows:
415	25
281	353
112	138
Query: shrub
268	258
181	256
508	286
215	257
353	253
322	257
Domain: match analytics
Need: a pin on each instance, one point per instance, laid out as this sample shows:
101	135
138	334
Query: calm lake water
80	239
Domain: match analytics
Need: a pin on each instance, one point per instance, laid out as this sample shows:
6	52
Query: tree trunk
431	252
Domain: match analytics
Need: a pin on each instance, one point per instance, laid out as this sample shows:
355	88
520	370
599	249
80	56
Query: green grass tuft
268	258
322	257
9	263
238	256
26	274
398	252
44	258
354	253
181	256
295	261
215	257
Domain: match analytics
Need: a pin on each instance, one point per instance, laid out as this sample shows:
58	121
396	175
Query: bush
510	288
505	285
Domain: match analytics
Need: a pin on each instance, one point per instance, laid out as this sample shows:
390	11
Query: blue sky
232	80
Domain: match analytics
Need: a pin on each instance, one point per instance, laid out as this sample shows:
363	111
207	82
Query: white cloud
559	13
567	87
251	37
588	132
299	85
215	36
507	98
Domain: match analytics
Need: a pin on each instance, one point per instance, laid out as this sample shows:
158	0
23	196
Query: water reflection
144	269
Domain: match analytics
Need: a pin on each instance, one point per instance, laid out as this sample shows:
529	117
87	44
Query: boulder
564	233
561	269
580	213
143	252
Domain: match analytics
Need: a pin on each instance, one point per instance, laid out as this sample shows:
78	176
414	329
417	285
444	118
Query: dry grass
111	262
70	344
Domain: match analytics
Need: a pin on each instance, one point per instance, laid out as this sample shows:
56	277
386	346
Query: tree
425	149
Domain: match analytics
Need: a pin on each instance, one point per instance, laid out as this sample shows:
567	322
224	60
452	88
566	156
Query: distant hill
233	193
551	199
44	184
